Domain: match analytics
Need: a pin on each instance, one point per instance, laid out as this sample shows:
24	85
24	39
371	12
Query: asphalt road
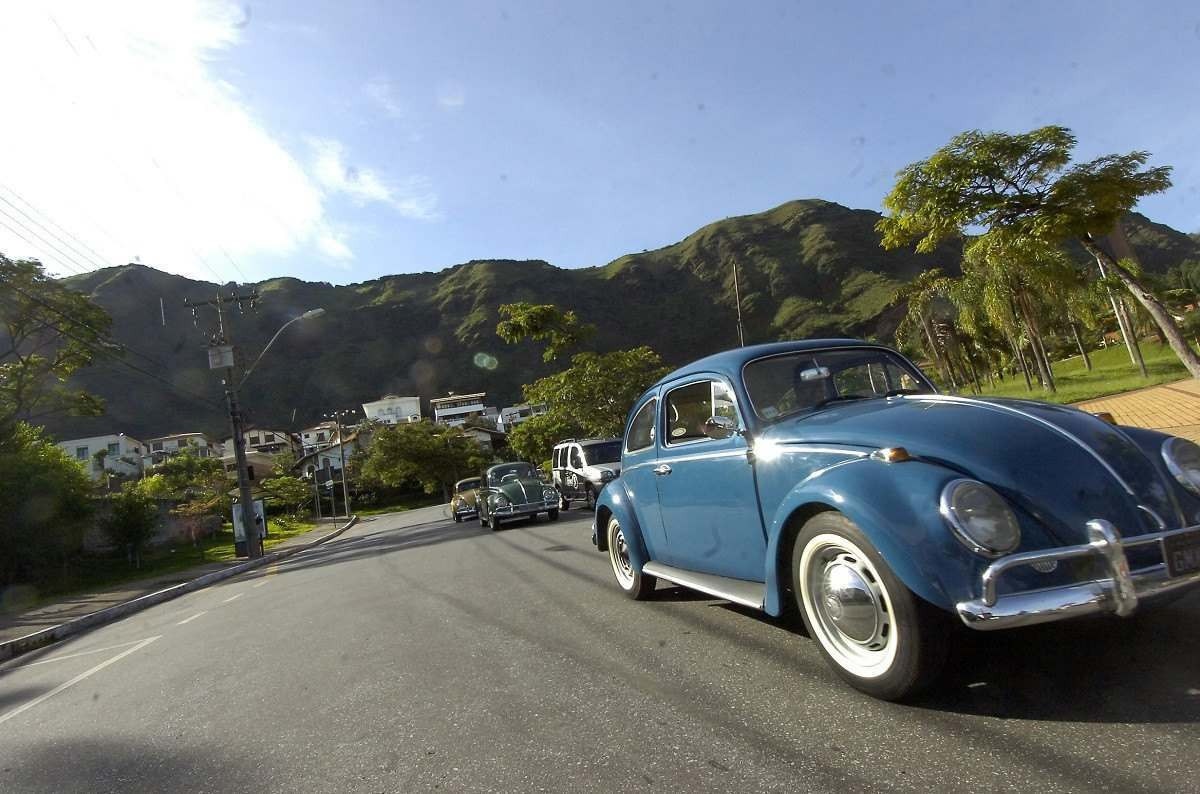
416	654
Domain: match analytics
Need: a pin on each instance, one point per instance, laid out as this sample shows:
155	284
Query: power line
101	351
83	249
71	268
125	348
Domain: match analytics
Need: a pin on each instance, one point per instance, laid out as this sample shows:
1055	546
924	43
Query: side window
641	429
689	407
576	458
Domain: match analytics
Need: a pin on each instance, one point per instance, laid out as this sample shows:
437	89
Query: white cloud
381	93
119	130
413	199
451	95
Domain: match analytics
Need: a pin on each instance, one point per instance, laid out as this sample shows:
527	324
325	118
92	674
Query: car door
638	459
706	485
575	463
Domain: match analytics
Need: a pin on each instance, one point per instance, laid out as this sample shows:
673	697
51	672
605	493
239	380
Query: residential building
392	409
163	447
456	409
514	415
122	454
489	440
327	459
269	442
317	437
258	464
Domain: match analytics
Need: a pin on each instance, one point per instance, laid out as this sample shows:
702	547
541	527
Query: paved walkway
1172	408
71	607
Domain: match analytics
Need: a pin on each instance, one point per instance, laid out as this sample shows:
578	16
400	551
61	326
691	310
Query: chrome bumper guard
525	509
1118	594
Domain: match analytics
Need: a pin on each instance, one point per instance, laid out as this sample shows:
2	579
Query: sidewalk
1172	408
71	607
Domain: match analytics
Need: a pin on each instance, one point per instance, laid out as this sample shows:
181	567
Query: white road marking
70	656
193	617
233	598
85	674
260	584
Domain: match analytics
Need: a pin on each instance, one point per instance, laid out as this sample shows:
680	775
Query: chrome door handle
662	469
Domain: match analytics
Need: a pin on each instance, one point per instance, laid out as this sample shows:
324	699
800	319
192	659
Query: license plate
1182	553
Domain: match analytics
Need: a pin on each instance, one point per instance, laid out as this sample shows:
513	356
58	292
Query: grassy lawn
410	503
92	573
1112	373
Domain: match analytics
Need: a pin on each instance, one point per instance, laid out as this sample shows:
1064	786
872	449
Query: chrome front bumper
528	509
1117	594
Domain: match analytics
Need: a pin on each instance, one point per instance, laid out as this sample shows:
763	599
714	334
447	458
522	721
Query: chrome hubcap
618	552
849	601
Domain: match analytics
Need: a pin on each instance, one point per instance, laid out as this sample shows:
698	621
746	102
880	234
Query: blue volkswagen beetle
829	477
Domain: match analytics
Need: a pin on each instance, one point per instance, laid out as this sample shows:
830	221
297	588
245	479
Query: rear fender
614	501
896	507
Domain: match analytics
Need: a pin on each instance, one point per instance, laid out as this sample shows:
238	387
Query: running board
739	591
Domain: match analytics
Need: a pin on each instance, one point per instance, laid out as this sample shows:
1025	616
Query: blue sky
343	141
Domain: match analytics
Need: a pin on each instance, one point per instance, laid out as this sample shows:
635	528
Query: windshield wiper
839	398
898	392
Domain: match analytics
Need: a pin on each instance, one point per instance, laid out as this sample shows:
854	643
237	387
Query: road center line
85	674
233	598
70	656
259	584
193	617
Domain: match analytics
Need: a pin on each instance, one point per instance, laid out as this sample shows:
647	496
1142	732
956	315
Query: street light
311	314
249	526
342	453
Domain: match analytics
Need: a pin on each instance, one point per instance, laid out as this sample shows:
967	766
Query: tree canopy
543	322
47	332
430	455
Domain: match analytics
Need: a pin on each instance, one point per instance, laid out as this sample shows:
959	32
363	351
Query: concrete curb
39	639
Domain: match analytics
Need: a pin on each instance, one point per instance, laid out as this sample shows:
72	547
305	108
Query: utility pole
337	415
221	356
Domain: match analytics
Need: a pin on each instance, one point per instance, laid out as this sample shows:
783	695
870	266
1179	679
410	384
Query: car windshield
608	452
513	471
780	386
466	485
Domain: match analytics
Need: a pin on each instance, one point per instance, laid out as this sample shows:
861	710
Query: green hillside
805	268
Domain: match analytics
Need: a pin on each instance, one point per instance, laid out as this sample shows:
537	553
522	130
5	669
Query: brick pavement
1172	408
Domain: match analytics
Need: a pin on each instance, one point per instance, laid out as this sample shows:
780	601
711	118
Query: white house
328	459
456	409
122	454
392	409
317	437
163	447
514	415
268	442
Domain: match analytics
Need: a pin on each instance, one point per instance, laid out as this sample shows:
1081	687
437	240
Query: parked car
830	477
514	490
462	503
582	467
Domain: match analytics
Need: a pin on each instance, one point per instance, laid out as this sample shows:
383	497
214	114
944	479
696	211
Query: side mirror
719	427
606	475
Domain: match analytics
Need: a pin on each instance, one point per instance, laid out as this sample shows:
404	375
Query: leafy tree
589	398
47	332
1024	185
424	453
542	322
287	491
201	484
919	325
45	504
131	521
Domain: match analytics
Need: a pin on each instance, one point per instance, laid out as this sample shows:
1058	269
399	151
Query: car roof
730	362
465	479
510	463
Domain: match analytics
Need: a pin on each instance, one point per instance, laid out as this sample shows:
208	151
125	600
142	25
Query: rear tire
564	503
876	634
637	585
589	497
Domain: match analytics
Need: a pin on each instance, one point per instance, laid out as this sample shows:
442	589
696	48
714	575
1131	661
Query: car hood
523	491
1062	466
466	498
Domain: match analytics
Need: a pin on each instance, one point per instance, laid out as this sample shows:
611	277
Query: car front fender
896	507
614	501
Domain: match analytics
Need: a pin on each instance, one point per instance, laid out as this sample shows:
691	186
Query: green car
514	490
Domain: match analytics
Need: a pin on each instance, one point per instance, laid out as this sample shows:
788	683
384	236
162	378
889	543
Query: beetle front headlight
1183	461
501	501
549	494
980	518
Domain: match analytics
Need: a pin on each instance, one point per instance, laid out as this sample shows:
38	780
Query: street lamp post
220	356
337	415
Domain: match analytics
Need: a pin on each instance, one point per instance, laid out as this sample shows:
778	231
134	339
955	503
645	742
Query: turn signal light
1105	416
891	454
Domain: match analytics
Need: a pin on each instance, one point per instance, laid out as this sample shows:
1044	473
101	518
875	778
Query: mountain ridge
808	267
